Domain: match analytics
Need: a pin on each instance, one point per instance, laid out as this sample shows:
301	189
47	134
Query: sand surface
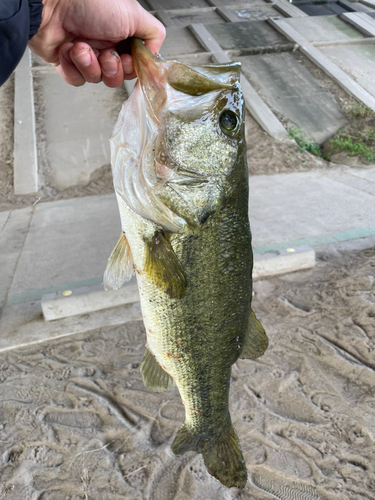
76	421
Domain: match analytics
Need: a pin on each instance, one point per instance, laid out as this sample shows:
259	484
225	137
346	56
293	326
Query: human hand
79	37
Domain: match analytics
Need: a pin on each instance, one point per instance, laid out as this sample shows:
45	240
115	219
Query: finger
127	64
67	69
95	44
86	62
112	70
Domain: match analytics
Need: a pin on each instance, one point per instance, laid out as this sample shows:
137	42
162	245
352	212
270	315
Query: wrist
50	7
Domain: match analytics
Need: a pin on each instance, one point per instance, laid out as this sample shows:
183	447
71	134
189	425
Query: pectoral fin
163	268
256	341
120	266
153	375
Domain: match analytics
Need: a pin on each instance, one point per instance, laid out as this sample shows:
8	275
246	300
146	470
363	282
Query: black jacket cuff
36	10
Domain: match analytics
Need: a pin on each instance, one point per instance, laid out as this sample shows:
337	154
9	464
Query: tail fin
222	455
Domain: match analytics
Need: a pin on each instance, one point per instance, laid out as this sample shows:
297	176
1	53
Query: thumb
150	30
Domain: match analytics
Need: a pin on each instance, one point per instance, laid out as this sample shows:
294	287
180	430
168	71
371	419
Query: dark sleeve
19	21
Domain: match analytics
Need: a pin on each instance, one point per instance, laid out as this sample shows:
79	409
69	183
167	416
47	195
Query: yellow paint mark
66	293
290	250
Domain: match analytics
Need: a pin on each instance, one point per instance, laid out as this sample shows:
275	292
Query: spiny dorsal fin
120	266
163	268
256	341
153	375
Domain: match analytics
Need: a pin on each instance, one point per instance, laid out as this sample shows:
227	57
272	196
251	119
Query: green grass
355	146
357	112
304	143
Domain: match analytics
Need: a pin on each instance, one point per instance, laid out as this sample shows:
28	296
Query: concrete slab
361	21
288	260
323	29
68	241
179	41
77	123
25	325
25	149
86	300
325	63
290	89
363	180
308	205
245	35
358	61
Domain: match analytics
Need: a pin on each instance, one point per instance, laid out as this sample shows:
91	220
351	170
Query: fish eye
228	121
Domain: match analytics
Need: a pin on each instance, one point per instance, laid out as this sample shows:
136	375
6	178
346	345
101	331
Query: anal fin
163	268
256	340
153	375
120	267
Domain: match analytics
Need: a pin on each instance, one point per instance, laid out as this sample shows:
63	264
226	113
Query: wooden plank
228	15
256	106
25	152
369	3
355	41
361	21
353	6
324	63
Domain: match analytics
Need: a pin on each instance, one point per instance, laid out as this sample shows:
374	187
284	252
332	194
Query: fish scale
182	190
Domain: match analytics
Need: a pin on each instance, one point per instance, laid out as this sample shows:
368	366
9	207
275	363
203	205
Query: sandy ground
76	421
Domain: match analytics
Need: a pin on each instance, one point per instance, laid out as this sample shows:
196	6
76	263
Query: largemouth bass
181	180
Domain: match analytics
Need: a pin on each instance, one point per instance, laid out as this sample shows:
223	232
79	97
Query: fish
180	176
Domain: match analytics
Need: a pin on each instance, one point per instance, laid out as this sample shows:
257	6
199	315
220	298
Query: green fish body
181	182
